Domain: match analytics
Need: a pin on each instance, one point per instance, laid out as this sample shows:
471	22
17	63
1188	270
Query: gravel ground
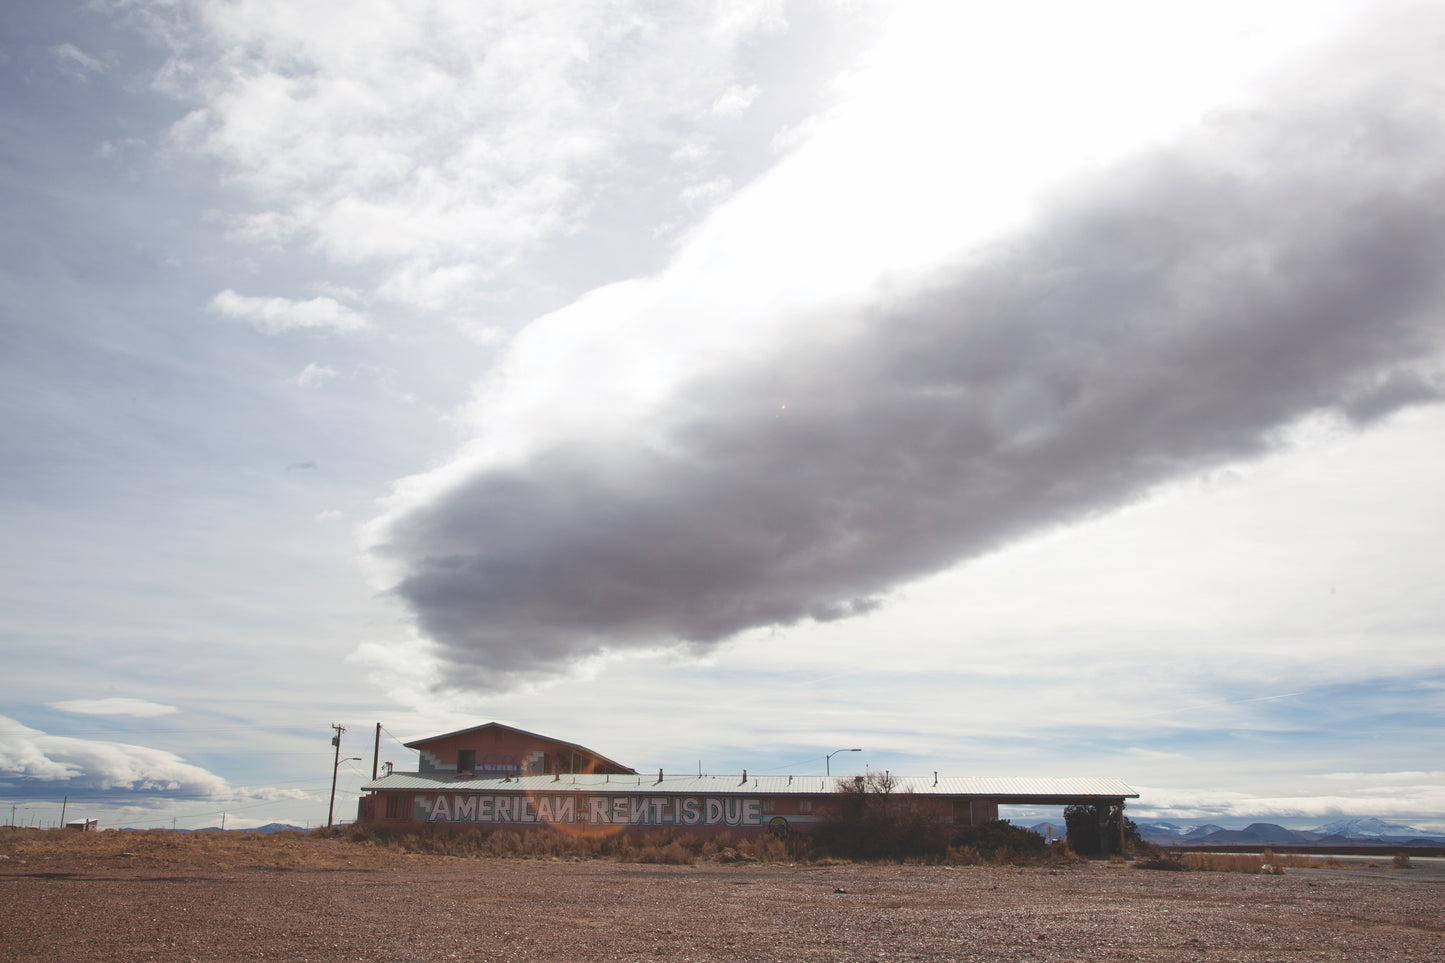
450	909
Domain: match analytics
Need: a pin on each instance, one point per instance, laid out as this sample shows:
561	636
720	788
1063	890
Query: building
495	775
498	750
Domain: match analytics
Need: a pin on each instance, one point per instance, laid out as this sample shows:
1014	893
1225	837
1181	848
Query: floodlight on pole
828	760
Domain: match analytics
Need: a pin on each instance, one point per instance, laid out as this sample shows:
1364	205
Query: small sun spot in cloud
315	375
735	101
138	708
329	515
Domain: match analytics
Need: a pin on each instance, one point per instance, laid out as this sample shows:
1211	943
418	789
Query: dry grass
367	846
215	850
1057	854
1268	862
675	848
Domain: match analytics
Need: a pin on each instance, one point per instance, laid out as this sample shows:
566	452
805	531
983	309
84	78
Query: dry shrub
768	848
964	856
1293	860
210	850
471	842
1267	862
712	845
670	848
672	854
1401	861
1160	861
1000	843
1222	862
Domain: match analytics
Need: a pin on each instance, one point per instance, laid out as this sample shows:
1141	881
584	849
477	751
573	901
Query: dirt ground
402	908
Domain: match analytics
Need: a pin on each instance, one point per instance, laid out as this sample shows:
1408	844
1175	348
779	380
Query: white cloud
115	148
1419	803
694	151
707	193
139	708
28	756
76	62
277	315
735	101
315	375
447	146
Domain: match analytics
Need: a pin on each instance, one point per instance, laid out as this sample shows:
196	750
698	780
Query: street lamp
330	810
828	760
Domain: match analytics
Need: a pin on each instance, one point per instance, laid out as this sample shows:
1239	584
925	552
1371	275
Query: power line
396	740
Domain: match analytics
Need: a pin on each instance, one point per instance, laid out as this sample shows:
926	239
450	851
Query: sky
1028	389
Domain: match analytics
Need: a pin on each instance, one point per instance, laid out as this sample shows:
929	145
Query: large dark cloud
1167	315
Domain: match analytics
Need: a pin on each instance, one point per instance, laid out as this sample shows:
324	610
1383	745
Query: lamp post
828	760
332	808
336	741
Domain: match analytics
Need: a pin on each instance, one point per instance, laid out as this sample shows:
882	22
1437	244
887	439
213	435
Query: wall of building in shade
495	775
592	804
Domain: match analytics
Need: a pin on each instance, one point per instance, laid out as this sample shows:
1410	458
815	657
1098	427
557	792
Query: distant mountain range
268	828
1346	832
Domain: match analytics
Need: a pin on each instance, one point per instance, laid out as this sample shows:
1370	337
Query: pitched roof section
421	743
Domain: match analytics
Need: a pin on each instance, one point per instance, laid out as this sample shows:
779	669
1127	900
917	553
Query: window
466	760
398	807
805	805
770	805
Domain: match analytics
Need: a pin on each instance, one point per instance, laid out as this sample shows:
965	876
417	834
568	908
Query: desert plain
309	899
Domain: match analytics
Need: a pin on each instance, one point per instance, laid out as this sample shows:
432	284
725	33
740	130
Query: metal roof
418	743
1020	790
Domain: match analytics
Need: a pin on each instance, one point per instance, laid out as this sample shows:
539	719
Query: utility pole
336	764
376	755
63	804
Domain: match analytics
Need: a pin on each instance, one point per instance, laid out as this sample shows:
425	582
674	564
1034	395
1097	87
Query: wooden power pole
376	754
336	764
